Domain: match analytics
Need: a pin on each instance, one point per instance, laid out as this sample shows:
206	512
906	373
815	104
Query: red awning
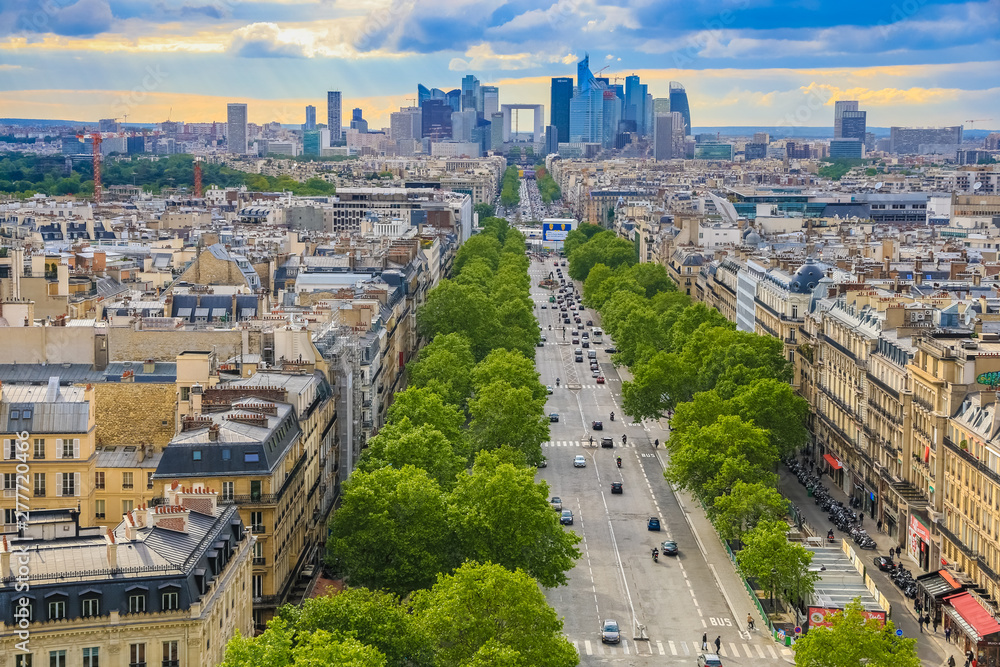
973	613
950	579
834	463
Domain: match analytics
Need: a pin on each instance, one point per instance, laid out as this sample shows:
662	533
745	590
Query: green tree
505	415
777	564
390	531
425	407
272	648
511	367
519	331
599	273
476	273
400	444
499	514
490	606
484	210
455	308
747	505
486	246
320	649
579	236
444	366
772	404
854	639
653	278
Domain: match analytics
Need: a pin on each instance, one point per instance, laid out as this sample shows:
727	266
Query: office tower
846	148
661	106
668	136
551	139
496	131
108	125
761	138
435	119
310	123
755	151
679	103
611	115
584	77
135	145
924	140
358	122
236	128
470	93
839	107
462	124
635	103
854	125
424	93
405	124
491	101
454	99
334	121
586	117
314	141
562	93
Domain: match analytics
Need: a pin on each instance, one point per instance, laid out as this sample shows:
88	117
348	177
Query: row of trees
547	185
510	188
442	534
734	414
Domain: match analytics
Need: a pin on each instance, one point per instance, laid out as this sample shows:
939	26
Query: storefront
973	627
933	588
918	542
834	468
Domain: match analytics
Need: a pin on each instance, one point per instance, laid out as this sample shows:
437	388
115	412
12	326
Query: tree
273	647
426	407
499	514
855	639
444	366
390	532
484	210
505	415
511	367
592	285
320	649
772	404
372	617
456	308
747	505
476	273
653	278
777	564
400	444
519	331
488	606
486	246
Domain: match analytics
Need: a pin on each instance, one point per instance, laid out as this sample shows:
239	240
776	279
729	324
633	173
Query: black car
607	442
668	548
597	426
616	487
579	358
566	518
611	350
884	563
565	320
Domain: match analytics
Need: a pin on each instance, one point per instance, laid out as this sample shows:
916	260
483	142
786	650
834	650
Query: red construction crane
97	138
197	178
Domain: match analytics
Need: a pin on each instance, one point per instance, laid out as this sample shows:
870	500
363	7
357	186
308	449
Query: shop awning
970	615
832	460
938	584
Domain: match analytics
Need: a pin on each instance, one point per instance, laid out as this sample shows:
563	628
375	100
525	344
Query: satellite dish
878	186
977	186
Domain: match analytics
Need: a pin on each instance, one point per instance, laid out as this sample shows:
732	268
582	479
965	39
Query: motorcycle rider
624	438
656	554
557	382
619	462
612	416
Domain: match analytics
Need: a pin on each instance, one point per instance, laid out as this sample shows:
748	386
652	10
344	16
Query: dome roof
753	238
806	278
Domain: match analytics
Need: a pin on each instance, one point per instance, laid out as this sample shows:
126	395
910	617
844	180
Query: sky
743	62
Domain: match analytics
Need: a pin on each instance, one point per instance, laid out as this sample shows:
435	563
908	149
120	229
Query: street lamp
774	575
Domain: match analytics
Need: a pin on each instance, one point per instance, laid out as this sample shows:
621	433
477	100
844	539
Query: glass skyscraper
334	121
562	93
679	103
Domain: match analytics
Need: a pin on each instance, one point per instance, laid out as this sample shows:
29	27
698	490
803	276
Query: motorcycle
656	556
612	416
619	462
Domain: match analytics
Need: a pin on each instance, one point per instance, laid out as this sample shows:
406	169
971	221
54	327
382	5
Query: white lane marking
736	651
759	651
774	653
625	647
590	650
746	647
673	649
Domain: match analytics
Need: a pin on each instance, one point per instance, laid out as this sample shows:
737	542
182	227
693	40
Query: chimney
4	557
131	533
109	537
200	500
169	517
197	391
213	433
149	366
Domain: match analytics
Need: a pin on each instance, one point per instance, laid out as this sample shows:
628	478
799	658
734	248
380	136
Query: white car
580	461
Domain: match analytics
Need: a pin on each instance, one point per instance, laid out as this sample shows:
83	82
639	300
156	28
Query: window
57	658
227	490
15	414
91	607
39	478
196	455
170	654
258	586
127	506
137	603
149	480
57	610
10	516
68	483
137	655
9	482
26	413
169	601
255	489
90	657
23	660
185	393
68	449
99	480
99	509
39	448
127	480
251	457
226	454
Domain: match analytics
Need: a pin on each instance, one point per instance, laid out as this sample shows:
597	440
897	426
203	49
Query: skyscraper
584	77
491	101
562	93
462	124
334	121
661	106
405	124
668	136
839	107
454	99
470	94
236	128
635	103
358	121
679	103
612	114
425	93
853	125
310	123
435	119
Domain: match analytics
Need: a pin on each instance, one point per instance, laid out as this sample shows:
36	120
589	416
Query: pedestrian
920	623
749	621
704	642
936	623
718	643
951	661
968	659
947	634
878	526
917	608
861	518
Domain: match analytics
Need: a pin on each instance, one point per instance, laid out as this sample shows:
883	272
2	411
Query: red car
600	379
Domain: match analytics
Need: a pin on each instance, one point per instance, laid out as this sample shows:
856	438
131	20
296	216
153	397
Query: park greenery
838	168
547	185
854	639
442	535
510	188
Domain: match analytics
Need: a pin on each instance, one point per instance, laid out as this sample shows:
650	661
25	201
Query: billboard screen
556	231
819	616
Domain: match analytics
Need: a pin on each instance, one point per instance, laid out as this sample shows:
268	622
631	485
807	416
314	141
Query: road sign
899	633
798	629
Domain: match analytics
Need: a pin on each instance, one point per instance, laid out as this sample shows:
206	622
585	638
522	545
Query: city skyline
742	63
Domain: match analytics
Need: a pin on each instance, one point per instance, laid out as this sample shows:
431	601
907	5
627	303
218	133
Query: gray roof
50	409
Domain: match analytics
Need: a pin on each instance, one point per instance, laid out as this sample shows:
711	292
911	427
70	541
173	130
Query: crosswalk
581	443
679	648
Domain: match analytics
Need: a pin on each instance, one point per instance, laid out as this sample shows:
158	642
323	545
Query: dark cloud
71	18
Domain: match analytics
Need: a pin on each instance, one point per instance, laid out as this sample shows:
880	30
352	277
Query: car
544	338
594	367
548	389
592	354
544	307
586	334
709	660
607	442
575	341
616	487
597	426
579	324
668	548
563	264
579	358
566	518
586	343
594	373
590	323
653	523
610	633
611	350
884	563
566	320
600	379
544	463
572	306
556	503
554	417
580	461
540	344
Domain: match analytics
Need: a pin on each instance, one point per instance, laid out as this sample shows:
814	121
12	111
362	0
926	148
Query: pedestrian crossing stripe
687	649
581	443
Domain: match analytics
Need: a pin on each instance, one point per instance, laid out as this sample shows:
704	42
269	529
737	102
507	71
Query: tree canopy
854	639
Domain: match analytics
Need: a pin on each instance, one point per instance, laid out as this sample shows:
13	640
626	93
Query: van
578	351
591	354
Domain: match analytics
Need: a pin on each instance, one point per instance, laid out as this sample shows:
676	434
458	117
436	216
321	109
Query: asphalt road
663	608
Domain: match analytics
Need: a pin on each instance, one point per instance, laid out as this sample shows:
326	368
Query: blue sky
744	62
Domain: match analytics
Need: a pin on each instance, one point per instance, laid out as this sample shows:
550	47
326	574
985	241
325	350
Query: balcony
266	600
171	663
258	529
259	561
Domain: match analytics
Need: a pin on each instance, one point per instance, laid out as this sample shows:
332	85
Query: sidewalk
931	646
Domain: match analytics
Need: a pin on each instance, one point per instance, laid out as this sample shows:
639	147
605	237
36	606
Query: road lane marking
625	647
759	651
586	645
746	648
736	651
673	648
659	647
773	652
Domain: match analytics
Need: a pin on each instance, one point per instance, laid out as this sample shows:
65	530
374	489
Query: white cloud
482	57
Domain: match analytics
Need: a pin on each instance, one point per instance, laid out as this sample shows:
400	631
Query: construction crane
197	178
976	120
97	138
598	72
